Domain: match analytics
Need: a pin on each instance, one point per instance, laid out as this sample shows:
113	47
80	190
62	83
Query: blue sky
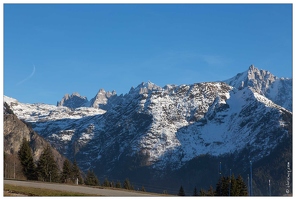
54	49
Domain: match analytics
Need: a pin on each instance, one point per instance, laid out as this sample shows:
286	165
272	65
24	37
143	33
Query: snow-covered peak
44	112
150	86
9	100
145	87
278	90
253	77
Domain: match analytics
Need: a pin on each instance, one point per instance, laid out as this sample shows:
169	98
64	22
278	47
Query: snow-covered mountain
161	129
278	90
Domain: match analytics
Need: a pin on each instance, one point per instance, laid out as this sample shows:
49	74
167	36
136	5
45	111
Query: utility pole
248	185
229	182
220	173
5	170
251	189
269	188
14	170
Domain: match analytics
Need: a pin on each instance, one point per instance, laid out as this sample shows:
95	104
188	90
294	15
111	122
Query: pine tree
222	187
211	191
106	183
143	189
47	167
66	173
26	158
181	191
235	186
202	192
127	185
242	187
91	178
118	184
75	173
195	192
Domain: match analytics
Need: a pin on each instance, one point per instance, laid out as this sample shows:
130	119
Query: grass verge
30	191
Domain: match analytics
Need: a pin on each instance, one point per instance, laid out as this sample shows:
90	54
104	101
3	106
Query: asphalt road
78	188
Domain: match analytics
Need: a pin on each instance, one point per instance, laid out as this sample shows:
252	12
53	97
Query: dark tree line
46	168
91	179
226	186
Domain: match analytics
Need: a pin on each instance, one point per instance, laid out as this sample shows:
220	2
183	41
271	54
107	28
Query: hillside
14	131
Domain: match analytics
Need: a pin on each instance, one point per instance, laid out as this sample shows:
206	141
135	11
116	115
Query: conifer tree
235	186
211	191
91	178
26	158
143	189
106	183
127	185
66	173
47	167
181	191
242	187
75	173
195	192
202	192
118	184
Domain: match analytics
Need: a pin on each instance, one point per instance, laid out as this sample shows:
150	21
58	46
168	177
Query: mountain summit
177	135
279	90
73	101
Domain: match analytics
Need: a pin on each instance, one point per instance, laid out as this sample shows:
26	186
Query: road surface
78	188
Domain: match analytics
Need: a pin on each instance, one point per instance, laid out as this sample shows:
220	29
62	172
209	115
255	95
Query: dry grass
12	190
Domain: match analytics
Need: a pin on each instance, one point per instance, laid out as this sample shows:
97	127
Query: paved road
77	188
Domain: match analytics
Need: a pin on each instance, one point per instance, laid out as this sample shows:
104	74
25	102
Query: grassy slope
30	191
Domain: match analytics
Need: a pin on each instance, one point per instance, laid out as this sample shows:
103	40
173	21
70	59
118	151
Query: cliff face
15	130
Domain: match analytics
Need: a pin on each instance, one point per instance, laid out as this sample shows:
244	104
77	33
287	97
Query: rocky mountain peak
101	98
72	101
146	87
259	80
266	84
278	90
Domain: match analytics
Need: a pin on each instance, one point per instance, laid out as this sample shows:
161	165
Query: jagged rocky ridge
76	101
163	129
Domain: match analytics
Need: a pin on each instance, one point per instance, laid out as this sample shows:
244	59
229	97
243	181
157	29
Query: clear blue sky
53	49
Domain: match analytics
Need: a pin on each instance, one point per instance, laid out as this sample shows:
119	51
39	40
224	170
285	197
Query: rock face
102	99
15	130
153	132
73	101
278	90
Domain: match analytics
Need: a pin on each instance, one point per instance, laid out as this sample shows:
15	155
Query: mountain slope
155	132
15	130
278	90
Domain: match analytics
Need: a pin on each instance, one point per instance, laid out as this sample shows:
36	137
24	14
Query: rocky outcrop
73	101
15	131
